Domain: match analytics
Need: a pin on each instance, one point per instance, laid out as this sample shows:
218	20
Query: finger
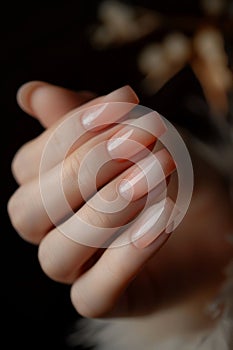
38	206
135	134
26	162
61	251
95	293
147	174
47	102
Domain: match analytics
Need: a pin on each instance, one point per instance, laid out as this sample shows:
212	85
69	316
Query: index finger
25	165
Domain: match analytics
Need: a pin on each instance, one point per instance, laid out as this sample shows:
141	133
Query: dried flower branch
200	42
121	23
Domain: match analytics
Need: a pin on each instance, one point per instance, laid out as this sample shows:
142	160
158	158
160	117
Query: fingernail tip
131	90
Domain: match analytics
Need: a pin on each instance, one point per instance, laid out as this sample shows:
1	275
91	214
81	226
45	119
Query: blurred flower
121	23
204	43
213	7
160	61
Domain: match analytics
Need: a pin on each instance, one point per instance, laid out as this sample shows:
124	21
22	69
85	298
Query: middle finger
64	250
38	206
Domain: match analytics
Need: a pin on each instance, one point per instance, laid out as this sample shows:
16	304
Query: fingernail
126	190
116	104
152	223
146	175
24	95
173	220
123	94
89	117
136	136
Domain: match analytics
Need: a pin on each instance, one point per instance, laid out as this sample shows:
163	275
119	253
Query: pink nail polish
136	136
126	190
147	174
121	137
152	223
90	116
115	106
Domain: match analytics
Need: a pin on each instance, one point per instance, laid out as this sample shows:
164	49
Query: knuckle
16	212
112	271
18	167
96	218
21	217
13	212
21	163
46	260
77	169
71	168
50	263
73	163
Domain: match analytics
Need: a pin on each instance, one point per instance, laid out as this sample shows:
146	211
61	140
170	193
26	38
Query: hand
116	280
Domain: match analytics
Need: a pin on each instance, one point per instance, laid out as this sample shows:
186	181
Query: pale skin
117	281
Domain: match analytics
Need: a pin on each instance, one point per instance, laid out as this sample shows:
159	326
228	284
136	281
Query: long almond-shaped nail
146	175
112	108
152	223
135	136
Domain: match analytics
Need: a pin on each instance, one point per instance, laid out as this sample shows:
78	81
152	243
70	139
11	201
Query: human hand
113	280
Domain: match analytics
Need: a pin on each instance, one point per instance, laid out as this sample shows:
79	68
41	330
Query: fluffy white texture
176	328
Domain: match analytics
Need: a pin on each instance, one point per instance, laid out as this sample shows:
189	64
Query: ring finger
38	206
66	248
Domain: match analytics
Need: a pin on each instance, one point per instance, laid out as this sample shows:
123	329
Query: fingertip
47	102
24	94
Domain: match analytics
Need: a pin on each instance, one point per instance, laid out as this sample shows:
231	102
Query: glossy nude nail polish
113	107
152	223
146	175
135	136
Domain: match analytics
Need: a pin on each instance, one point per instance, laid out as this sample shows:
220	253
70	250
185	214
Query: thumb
47	102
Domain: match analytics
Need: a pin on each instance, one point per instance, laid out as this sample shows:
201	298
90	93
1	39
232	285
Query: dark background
49	41
41	41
